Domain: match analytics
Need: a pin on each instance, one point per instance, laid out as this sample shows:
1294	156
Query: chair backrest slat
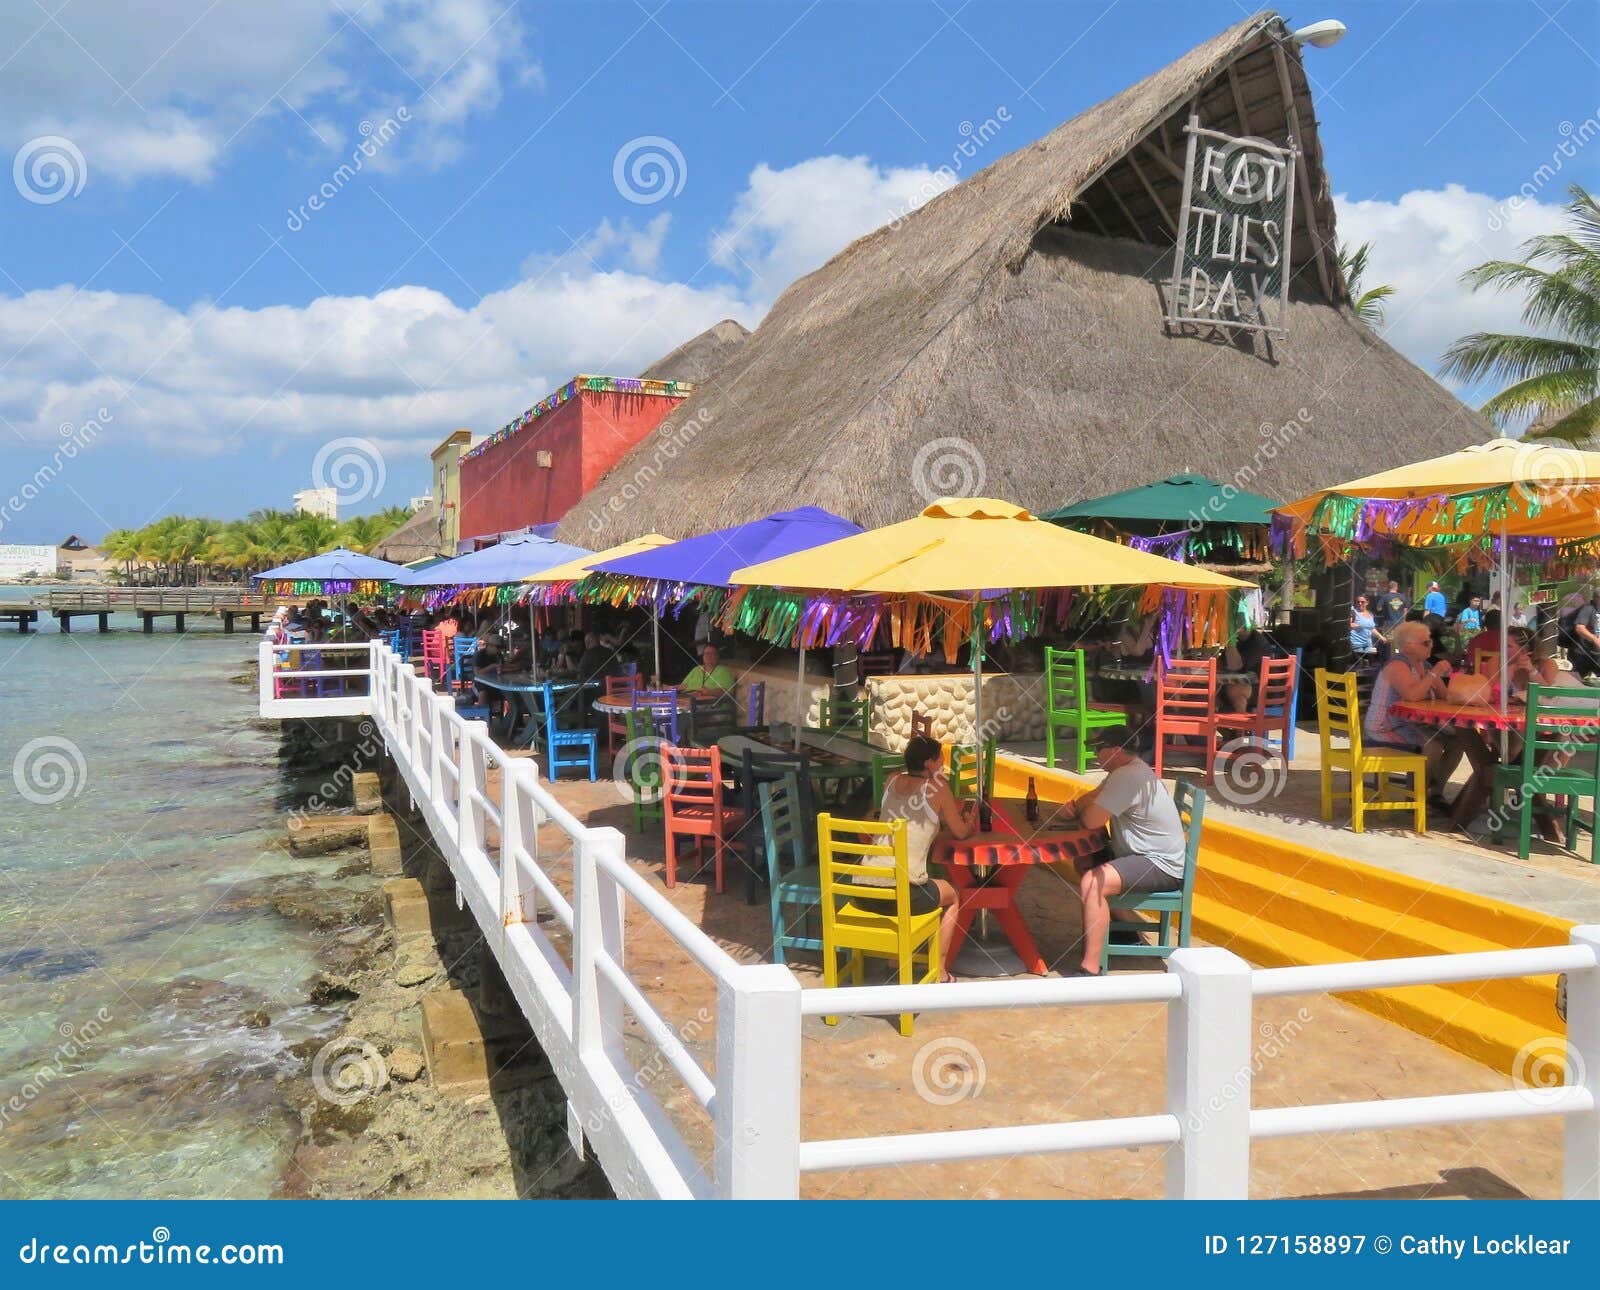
1339	707
1186	689
1190	800
1065	688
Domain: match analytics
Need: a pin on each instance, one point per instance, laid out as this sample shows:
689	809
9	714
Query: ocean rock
327	988
406	1065
256	1019
409	974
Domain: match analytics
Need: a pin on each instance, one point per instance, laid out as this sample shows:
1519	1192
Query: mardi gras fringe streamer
325	587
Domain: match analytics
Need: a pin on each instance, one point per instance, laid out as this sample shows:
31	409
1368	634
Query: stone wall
1013	706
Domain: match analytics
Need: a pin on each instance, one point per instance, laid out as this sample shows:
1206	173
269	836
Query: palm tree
1554	377
1368	304
363	532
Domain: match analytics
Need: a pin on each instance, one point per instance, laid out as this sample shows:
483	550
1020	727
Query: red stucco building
533	470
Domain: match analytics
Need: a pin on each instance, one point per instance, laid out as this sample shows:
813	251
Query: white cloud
166	89
1423	242
788	222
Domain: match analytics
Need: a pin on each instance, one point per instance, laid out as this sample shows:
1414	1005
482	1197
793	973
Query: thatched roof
1019	314
416	539
700	356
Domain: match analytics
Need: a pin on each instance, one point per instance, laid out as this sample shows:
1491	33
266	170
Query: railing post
471	787
757	1110
596	924
1581	1162
264	674
1208	1076
518	832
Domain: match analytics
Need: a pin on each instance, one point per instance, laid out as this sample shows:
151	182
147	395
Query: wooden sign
1230	265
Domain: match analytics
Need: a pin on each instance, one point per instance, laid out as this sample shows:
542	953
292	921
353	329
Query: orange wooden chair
1186	706
695	806
1274	710
619	689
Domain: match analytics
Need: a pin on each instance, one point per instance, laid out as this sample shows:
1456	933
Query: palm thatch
416	539
1007	339
699	357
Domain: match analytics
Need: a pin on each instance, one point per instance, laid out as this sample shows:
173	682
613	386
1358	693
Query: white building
318	501
20	561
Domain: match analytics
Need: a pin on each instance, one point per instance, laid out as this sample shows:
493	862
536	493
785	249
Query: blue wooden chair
463	661
557	740
391	638
792	874
755	706
662	708
1275	710
1171	905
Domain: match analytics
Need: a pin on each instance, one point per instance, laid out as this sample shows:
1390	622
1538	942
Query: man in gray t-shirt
1146	835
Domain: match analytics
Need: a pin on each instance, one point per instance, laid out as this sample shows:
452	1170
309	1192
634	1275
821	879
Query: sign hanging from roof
1230	267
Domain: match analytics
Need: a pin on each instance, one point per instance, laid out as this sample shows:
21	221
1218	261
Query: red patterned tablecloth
1017	842
1481	716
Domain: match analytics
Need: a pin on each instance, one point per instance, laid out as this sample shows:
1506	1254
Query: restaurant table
517	686
621	707
834	757
1142	673
987	868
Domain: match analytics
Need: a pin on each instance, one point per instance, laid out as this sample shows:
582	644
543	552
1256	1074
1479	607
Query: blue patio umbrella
334	571
710	559
505	562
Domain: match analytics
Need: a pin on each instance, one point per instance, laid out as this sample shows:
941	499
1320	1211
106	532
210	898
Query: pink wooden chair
1274	710
695	808
1186	706
435	655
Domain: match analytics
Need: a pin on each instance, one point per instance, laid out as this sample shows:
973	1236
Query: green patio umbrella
1179	499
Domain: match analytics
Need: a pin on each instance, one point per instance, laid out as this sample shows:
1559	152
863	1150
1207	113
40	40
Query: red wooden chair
619	689
693	798
1274	710
921	724
1186	705
435	655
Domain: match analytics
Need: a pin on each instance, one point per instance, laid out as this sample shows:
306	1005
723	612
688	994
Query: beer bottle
1031	807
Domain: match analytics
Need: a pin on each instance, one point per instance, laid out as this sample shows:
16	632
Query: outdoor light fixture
1330	31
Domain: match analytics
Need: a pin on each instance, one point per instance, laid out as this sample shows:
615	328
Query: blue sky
485	249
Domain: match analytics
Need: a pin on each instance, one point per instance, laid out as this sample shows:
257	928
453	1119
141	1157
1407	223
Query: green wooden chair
1067	706
1191	802
643	768
964	770
710	720
1549	730
792	873
848	716
884	764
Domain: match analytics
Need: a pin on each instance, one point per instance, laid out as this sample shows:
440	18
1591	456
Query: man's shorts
1143	876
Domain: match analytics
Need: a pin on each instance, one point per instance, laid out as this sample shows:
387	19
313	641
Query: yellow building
446	459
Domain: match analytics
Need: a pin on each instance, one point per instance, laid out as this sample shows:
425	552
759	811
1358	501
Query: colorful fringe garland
325	587
593	384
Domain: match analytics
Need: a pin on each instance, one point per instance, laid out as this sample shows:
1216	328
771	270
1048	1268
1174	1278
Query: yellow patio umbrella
1506	488
573	570
966	547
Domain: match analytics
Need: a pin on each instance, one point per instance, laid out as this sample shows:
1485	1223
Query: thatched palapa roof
416	539
700	357
1007	339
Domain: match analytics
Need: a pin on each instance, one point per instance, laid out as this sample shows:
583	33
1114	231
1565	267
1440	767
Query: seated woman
920	795
1408	678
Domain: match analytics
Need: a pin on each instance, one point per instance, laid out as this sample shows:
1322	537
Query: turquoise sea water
142	810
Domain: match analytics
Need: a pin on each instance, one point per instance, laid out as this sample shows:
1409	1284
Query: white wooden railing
289	688
504	858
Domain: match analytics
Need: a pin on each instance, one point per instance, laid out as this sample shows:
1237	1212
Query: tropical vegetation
1366	301
1552	372
183	549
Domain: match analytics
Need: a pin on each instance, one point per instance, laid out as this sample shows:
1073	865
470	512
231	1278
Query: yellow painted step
1474	1029
1359	929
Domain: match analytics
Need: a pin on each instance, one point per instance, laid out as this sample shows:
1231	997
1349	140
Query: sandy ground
979	1068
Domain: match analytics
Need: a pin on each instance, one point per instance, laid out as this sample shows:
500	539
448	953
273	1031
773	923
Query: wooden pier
148	603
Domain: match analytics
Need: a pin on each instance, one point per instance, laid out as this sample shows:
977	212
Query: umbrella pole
977	695
799	694
1505	616
655	636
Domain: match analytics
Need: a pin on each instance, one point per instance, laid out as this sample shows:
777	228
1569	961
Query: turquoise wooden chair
463	660
1171	905
1066	693
964	770
557	741
1548	732
793	877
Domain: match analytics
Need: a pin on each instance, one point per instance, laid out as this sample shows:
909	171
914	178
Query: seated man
712	679
1147	843
1244	655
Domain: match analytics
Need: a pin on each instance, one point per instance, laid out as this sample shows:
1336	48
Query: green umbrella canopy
1173	501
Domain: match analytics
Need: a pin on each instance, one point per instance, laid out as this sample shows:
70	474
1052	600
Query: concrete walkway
1552	881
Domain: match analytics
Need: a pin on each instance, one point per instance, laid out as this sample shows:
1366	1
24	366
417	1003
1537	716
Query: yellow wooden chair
871	922
1339	713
